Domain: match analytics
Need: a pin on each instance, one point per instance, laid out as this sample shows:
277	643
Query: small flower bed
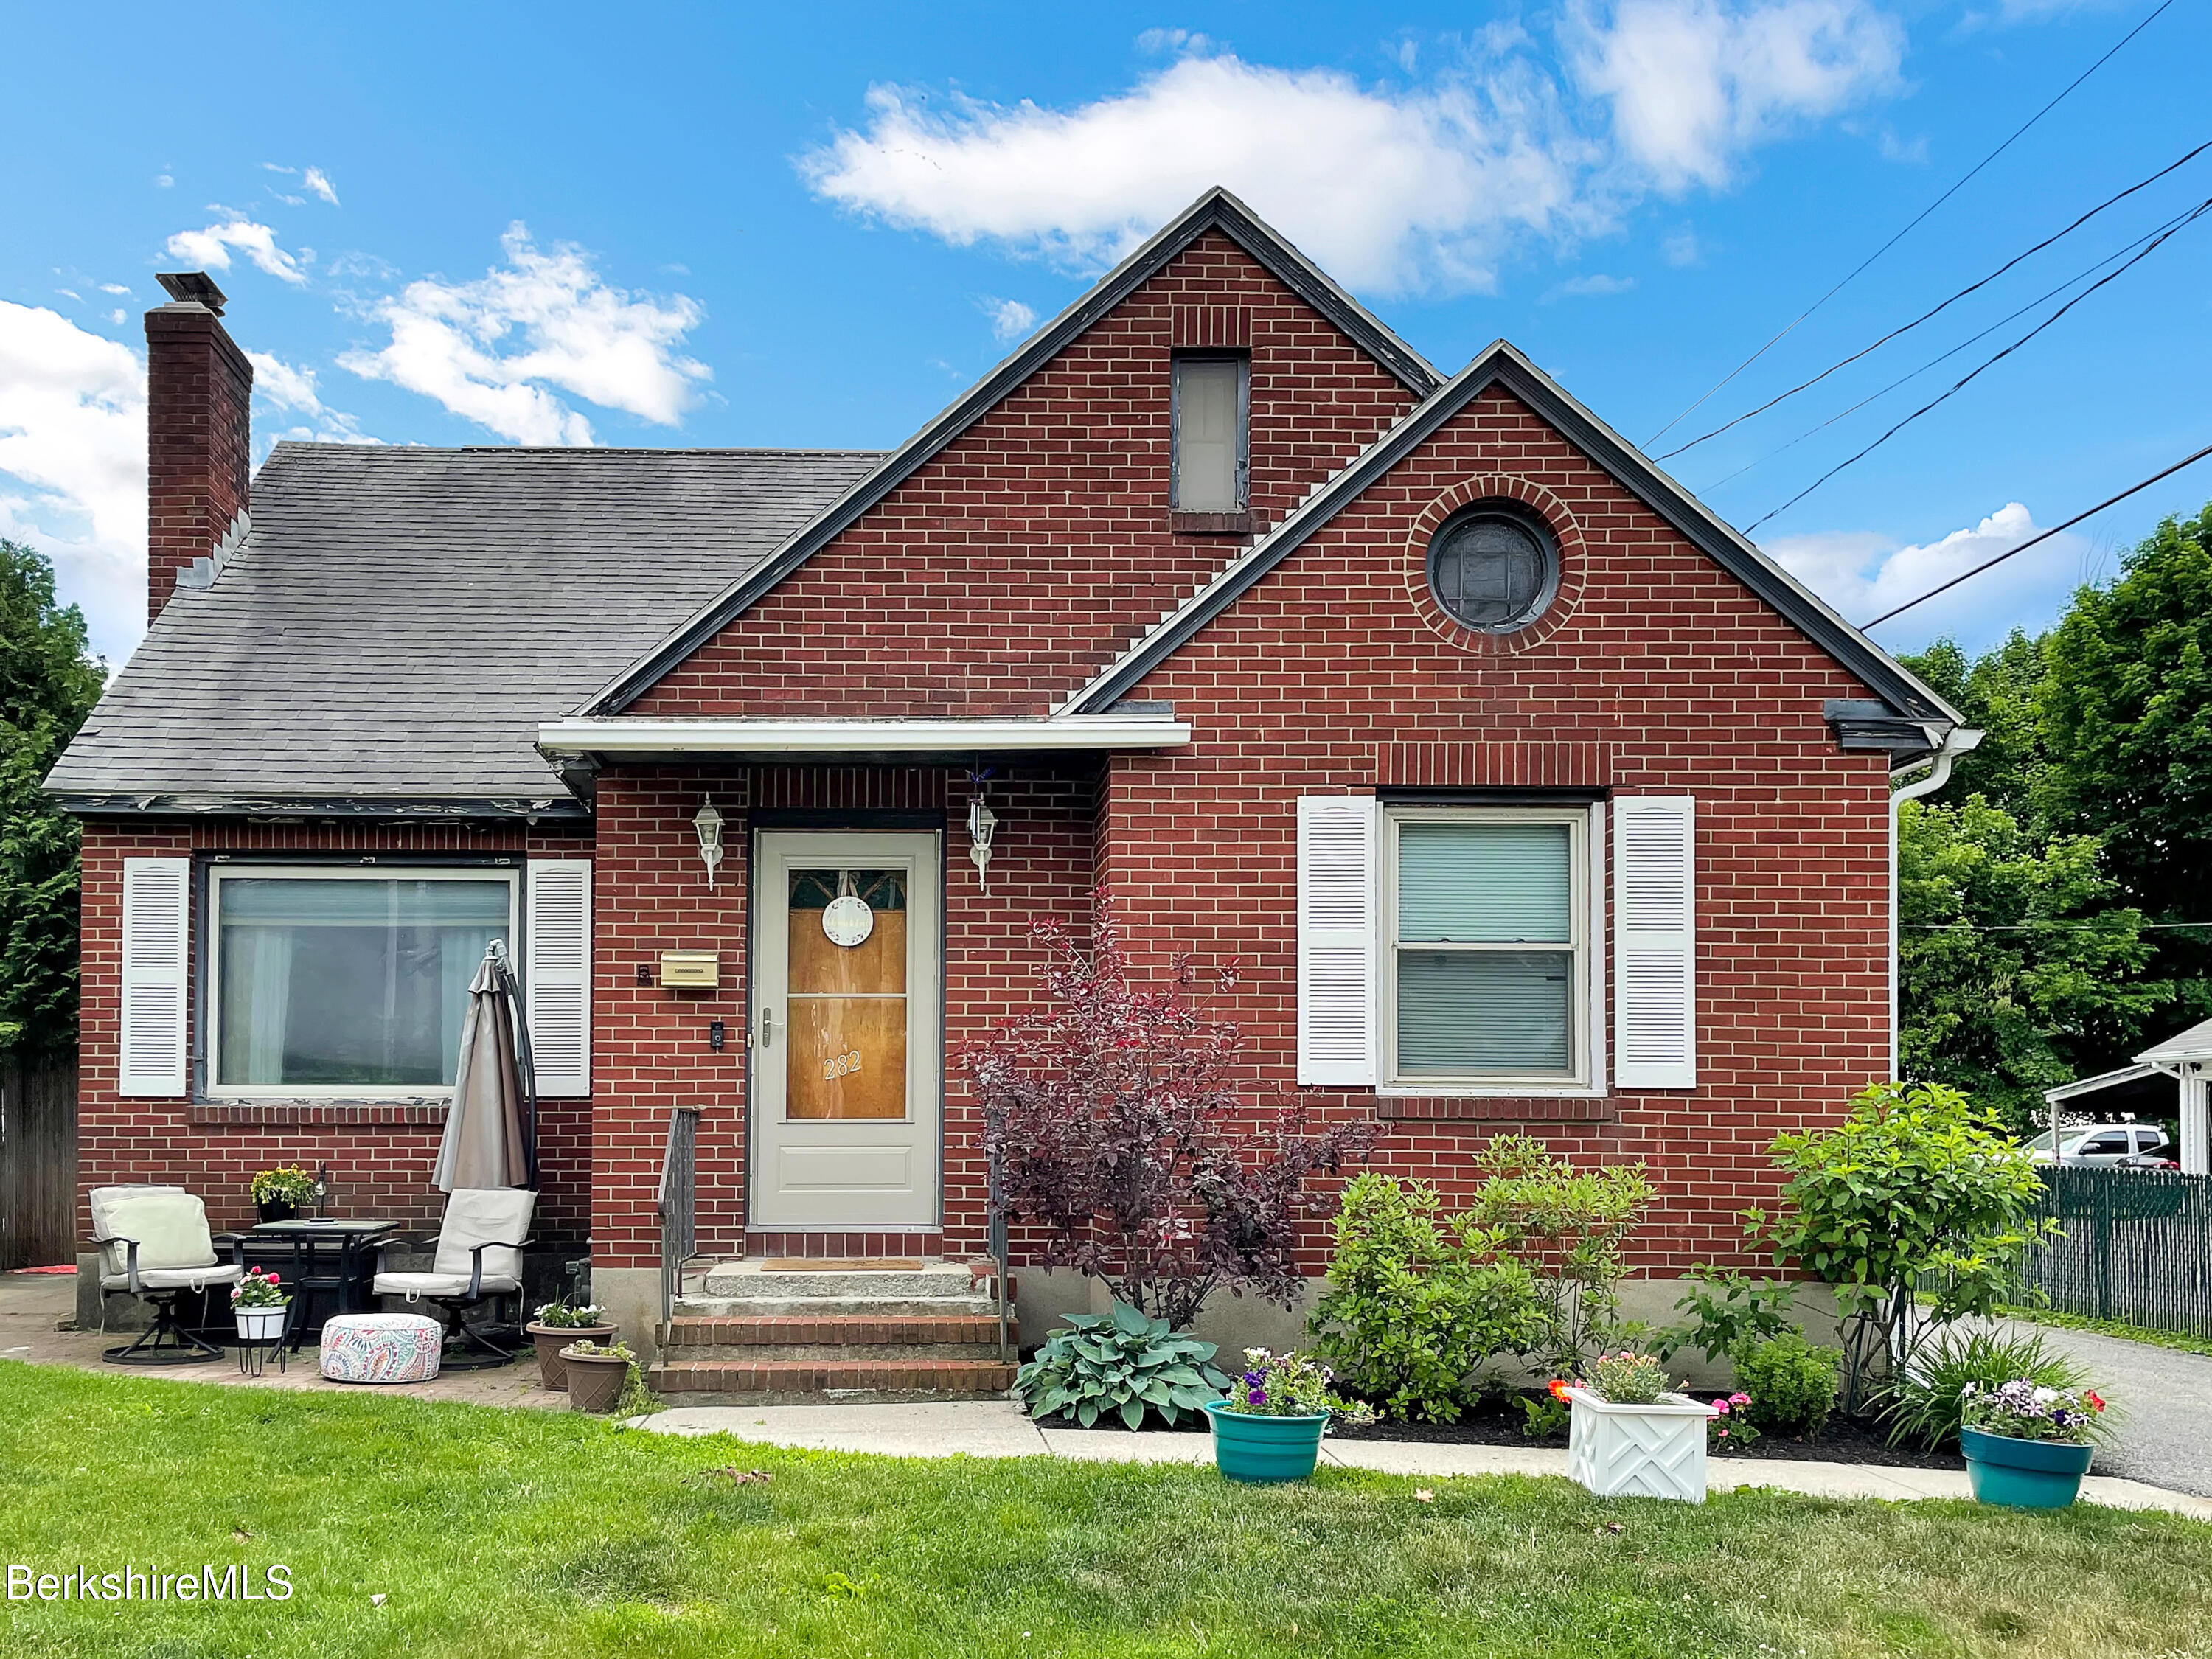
260	1290
2023	1410
1289	1385
560	1316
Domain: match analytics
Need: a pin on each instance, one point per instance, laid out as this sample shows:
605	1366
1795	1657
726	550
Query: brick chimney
199	463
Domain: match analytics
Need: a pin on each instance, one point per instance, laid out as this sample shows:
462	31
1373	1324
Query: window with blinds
1488	919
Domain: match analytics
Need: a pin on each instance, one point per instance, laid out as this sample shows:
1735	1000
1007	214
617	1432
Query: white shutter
1655	942
1337	939
156	956
557	986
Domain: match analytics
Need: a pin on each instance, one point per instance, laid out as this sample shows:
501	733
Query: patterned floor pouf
381	1347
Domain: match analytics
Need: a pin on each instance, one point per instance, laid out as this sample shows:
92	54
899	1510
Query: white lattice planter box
1645	1451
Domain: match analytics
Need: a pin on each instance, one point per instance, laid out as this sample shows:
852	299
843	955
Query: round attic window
1494	568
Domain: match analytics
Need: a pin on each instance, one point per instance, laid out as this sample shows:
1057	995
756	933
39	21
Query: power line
2043	536
1972	375
1925	316
2029	926
1909	229
1945	356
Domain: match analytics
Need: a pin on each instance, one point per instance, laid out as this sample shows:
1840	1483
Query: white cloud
1167	41
116	316
115	288
73	465
281	387
1388	192
209	249
1010	319
164	181
1596	286
489	349
1393	188
1680	248
315	179
1694	84
1864	573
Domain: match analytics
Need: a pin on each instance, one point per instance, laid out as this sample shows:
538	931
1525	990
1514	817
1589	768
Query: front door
846	1052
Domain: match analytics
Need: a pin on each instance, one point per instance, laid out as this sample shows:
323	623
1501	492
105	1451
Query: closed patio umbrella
491	1131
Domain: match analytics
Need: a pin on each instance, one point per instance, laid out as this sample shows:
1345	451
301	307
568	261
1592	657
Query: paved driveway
2165	1435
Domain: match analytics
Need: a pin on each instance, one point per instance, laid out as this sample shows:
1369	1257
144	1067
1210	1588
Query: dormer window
1212	444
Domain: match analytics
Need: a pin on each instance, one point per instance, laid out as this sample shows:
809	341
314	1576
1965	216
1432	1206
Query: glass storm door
845	1047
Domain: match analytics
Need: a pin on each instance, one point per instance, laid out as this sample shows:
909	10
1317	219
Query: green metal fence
2136	1246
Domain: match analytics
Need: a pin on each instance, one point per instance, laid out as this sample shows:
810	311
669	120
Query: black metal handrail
678	1205
995	1242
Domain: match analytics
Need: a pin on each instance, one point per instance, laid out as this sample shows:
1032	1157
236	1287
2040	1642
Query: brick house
1528	794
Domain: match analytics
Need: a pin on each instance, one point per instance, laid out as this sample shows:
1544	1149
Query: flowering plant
562	1316
288	1183
1729	1429
1627	1378
2024	1410
1289	1385
259	1290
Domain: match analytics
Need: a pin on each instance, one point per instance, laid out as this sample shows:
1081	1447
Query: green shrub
1792	1382
1924	1401
1918	1208
1120	1362
1627	1379
1416	1305
1727	1310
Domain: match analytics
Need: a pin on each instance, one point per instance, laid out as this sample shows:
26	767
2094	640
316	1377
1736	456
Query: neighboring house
1527	794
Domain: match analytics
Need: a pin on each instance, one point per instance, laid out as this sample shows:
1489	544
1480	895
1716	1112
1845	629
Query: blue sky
812	226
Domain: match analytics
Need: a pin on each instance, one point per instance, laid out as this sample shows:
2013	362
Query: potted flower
557	1325
2027	1446
282	1193
597	1372
1629	1433
258	1302
1270	1425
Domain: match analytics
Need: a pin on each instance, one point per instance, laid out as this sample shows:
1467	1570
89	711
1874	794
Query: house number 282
839	1066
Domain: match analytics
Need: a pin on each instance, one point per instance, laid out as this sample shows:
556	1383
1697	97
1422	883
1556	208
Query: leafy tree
1916	1210
2017	969
1117	1115
2127	718
2001	695
48	684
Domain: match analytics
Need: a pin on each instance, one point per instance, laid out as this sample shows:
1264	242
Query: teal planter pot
1250	1448
2023	1474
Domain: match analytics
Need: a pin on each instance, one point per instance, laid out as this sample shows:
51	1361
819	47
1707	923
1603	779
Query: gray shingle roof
399	620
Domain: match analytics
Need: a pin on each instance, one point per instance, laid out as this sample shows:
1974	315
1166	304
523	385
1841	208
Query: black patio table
335	1259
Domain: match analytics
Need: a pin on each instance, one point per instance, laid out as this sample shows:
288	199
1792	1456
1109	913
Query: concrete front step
701	1382
751	1281
825	1338
849	1307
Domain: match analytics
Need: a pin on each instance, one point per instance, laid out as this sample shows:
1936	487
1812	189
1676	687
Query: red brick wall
650	1045
199	463
1657	672
1029	553
379	1153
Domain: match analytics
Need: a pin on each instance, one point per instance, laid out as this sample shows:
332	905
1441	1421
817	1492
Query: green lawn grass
2180	1340
494	1533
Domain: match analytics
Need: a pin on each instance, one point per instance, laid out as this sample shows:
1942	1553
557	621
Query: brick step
836	1307
766	1380
833	1337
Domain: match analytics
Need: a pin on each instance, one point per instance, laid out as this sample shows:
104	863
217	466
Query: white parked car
2101	1143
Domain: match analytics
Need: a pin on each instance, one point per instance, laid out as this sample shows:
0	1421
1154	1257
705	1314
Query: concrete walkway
997	1428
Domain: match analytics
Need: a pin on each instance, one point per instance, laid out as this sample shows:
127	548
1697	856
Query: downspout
1956	741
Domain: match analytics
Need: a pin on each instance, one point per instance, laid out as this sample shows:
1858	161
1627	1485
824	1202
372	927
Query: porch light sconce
708	822
982	822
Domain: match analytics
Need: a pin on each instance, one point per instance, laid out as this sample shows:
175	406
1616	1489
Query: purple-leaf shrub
1121	1115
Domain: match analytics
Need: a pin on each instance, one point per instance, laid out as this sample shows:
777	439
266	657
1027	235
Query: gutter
1956	741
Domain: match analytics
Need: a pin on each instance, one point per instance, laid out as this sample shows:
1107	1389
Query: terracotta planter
595	1380
549	1339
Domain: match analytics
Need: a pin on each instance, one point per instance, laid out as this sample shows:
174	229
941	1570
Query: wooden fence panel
38	1161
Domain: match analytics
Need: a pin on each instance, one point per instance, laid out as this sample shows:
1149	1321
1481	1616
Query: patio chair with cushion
479	1259
154	1244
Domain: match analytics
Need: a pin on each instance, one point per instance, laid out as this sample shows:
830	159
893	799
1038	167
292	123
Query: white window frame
1242	460
218	1090
1586	995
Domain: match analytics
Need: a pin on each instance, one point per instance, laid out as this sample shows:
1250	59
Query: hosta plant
1123	1363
